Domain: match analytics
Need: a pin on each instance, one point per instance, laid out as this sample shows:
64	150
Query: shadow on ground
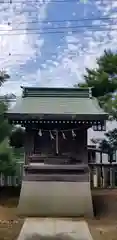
105	202
55	237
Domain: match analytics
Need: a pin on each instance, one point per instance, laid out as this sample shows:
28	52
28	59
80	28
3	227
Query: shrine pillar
28	144
82	145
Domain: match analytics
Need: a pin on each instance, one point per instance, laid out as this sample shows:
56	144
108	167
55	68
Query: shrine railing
103	175
103	168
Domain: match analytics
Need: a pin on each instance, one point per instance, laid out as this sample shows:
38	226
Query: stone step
55	169
56	177
55	199
53	229
53	159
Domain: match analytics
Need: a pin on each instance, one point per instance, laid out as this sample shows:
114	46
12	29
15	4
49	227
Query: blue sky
56	59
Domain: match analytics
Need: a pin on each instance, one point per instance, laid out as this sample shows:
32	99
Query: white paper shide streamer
40	133
73	134
63	134
51	135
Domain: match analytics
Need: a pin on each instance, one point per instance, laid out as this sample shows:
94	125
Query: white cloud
80	50
15	48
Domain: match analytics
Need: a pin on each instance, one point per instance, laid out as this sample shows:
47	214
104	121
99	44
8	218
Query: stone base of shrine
54	229
55	199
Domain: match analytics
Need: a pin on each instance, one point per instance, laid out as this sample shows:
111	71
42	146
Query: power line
39	55
67	20
72	53
58	27
59	32
56	1
64	30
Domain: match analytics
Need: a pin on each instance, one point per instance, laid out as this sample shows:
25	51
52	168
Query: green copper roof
48	101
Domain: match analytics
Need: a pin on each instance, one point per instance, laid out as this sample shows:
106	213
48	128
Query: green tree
3	77
103	81
108	144
17	137
5	128
7	164
110	140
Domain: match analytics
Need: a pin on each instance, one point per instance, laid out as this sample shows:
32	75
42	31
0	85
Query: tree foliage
5	128
3	77
103	81
7	164
108	144
110	141
17	138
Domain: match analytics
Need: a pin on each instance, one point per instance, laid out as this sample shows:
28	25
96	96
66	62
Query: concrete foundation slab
55	199
54	229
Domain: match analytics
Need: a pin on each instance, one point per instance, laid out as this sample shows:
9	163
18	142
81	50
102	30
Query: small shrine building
56	121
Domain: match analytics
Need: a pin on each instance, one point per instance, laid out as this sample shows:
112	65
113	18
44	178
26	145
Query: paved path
54	229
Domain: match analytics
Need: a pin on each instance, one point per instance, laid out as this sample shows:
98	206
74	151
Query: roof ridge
56	92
